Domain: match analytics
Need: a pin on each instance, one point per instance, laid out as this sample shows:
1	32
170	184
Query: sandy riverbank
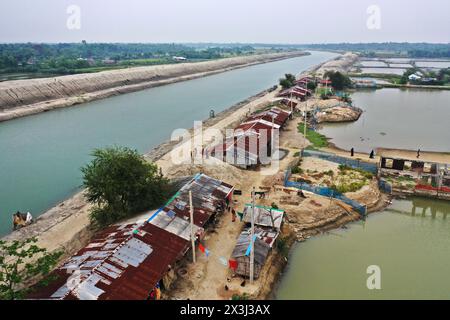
304	217
67	225
20	98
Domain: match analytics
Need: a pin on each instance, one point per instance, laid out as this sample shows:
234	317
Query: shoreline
269	290
76	203
69	206
14	106
70	217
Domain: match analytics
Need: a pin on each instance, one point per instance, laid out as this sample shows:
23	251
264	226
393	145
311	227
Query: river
394	118
412	251
41	155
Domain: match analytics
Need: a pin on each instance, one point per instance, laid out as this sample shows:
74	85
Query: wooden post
191	212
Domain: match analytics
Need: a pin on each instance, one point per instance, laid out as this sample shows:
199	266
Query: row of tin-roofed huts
250	144
129	261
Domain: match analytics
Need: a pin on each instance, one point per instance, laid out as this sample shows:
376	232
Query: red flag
201	247
233	264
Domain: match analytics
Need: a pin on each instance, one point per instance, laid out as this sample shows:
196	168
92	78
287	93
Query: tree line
66	58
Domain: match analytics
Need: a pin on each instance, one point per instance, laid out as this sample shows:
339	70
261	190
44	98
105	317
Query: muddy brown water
409	242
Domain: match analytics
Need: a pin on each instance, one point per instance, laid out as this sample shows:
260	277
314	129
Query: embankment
25	97
66	225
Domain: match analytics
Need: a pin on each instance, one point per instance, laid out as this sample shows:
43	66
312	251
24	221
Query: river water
412	251
393	118
41	155
411	246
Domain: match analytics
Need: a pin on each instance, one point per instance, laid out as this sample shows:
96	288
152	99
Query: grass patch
243	296
317	140
350	179
297	170
349	187
344	170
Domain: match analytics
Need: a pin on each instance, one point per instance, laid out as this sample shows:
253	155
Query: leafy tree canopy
120	182
338	80
288	81
20	263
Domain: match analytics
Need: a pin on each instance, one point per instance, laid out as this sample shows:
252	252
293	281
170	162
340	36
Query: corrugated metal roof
261	248
263	216
125	262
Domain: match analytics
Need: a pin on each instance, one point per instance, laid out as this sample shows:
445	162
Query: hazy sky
269	21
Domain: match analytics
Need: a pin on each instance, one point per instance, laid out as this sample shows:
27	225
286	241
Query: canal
394	118
41	155
409	241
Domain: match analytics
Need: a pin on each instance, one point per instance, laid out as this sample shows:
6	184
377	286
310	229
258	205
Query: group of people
371	155
21	220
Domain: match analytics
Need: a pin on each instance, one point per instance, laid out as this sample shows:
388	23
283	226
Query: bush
120	182
282	246
243	296
297	170
17	270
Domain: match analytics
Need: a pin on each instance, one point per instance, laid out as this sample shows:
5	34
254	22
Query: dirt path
66	226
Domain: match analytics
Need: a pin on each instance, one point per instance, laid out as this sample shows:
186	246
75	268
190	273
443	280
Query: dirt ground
207	278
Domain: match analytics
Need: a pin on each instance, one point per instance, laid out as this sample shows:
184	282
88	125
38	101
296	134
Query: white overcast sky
264	21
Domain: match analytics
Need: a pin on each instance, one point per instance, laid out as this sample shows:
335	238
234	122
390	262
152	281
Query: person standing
352	152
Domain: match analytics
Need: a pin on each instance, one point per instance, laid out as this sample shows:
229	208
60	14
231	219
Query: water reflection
423	207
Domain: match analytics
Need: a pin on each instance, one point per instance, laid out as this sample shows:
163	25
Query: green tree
312	86
288	81
20	263
338	80
120	182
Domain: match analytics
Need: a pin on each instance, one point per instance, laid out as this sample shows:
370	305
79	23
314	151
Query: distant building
428	172
414	77
108	61
428	80
179	58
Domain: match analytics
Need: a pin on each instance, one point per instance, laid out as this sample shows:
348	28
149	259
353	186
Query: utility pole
252	235
191	213
306	109
272	135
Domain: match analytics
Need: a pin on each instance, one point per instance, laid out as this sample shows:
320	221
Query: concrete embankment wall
20	93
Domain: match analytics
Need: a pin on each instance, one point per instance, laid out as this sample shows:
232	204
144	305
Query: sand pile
342	64
213	168
339	114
